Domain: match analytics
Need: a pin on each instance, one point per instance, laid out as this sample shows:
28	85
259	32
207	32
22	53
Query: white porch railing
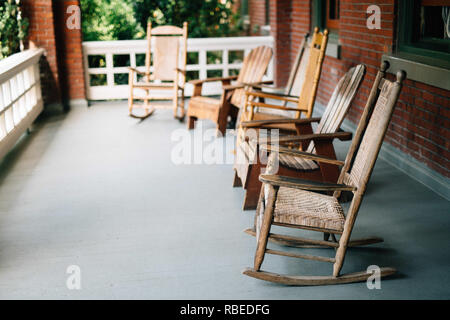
20	96
206	57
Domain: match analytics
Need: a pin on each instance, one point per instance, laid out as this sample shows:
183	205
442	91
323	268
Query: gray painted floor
97	189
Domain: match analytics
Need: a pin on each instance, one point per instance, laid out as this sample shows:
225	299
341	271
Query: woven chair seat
300	207
298	163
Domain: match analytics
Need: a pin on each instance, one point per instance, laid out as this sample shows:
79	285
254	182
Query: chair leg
191	122
146	102
130	102
265	228
222	117
250	199
258	208
345	237
182	114
253	186
175	103
237	181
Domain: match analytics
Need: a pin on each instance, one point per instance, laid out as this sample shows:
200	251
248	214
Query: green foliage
127	19
206	18
13	29
109	20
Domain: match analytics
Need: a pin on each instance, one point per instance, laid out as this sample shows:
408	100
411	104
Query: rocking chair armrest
282	95
260	84
238	85
272	106
341	135
232	87
300	154
261	123
302	184
138	71
201	81
269	86
274	96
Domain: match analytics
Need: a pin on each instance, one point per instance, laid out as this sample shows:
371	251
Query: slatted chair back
253	69
296	78
359	165
299	76
312	74
170	52
340	102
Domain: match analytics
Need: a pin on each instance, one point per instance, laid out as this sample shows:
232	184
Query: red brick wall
62	73
421	123
42	34
257	13
70	54
289	22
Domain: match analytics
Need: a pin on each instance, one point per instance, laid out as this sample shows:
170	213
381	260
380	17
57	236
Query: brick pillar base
42	34
62	72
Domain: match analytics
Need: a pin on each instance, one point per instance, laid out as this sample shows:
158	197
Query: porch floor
97	189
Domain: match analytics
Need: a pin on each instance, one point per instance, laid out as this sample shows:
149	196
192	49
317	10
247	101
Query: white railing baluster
202	64
2	126
225	63
109	68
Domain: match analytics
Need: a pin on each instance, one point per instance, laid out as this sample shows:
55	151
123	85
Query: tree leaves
127	19
13	29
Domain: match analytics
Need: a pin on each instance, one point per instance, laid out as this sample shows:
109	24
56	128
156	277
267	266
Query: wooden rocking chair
296	76
201	107
164	70
301	204
248	166
253	110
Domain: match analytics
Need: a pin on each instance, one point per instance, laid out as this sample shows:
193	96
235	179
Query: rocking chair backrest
340	102
253	69
313	71
359	167
170	52
296	79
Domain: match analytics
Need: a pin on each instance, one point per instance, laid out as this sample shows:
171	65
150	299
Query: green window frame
244	7
431	51
318	19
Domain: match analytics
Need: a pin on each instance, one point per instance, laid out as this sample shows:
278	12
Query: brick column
42	35
280	28
62	72
257	14
70	55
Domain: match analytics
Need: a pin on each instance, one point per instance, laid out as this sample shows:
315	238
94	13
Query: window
423	46
326	14
267	13
244	7
424	28
332	14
